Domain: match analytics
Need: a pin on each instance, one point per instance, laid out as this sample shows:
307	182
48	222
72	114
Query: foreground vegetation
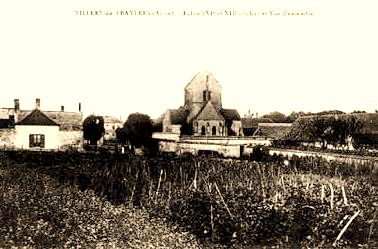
67	199
36	212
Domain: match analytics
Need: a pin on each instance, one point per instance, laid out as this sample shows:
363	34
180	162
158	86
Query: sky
119	64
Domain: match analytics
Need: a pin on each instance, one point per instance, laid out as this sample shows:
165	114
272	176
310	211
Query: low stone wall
349	159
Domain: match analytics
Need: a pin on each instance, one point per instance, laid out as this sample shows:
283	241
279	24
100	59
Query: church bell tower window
206	95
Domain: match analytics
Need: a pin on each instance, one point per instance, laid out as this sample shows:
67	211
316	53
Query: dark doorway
214	131
203	130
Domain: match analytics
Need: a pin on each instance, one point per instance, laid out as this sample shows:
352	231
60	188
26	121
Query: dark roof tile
36	117
273	130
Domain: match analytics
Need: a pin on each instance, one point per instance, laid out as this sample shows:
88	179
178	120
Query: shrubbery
297	202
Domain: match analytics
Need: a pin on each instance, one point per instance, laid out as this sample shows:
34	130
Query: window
36	140
206	95
203	130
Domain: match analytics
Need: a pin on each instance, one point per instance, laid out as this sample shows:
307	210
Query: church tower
200	90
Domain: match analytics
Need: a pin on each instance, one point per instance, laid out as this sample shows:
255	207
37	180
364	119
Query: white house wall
51	133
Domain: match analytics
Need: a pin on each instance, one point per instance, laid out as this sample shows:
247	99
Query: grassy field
124	201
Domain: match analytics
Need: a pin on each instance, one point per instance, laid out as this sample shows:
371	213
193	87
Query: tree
330	112
276	117
137	130
358	111
295	115
121	135
93	128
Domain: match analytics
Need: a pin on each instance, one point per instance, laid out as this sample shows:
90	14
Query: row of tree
330	129
278	117
136	131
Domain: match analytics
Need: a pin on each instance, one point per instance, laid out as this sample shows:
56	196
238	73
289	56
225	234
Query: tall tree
93	128
137	130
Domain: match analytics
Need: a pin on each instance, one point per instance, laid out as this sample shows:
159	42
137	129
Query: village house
111	124
202	113
37	129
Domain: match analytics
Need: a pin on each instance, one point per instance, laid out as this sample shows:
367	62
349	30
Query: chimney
37	103
79	106
257	115
16	105
62	108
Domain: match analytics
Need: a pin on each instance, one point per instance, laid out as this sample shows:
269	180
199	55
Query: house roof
272	130
66	120
253	122
111	119
36	117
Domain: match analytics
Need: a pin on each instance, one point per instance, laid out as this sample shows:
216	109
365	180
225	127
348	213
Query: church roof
178	116
209	112
204	77
230	114
36	117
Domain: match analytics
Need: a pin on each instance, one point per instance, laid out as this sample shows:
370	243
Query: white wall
166	136
179	148
51	133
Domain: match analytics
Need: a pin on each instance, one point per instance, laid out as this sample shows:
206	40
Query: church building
202	113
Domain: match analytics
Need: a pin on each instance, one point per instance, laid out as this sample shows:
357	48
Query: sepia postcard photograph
196	124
